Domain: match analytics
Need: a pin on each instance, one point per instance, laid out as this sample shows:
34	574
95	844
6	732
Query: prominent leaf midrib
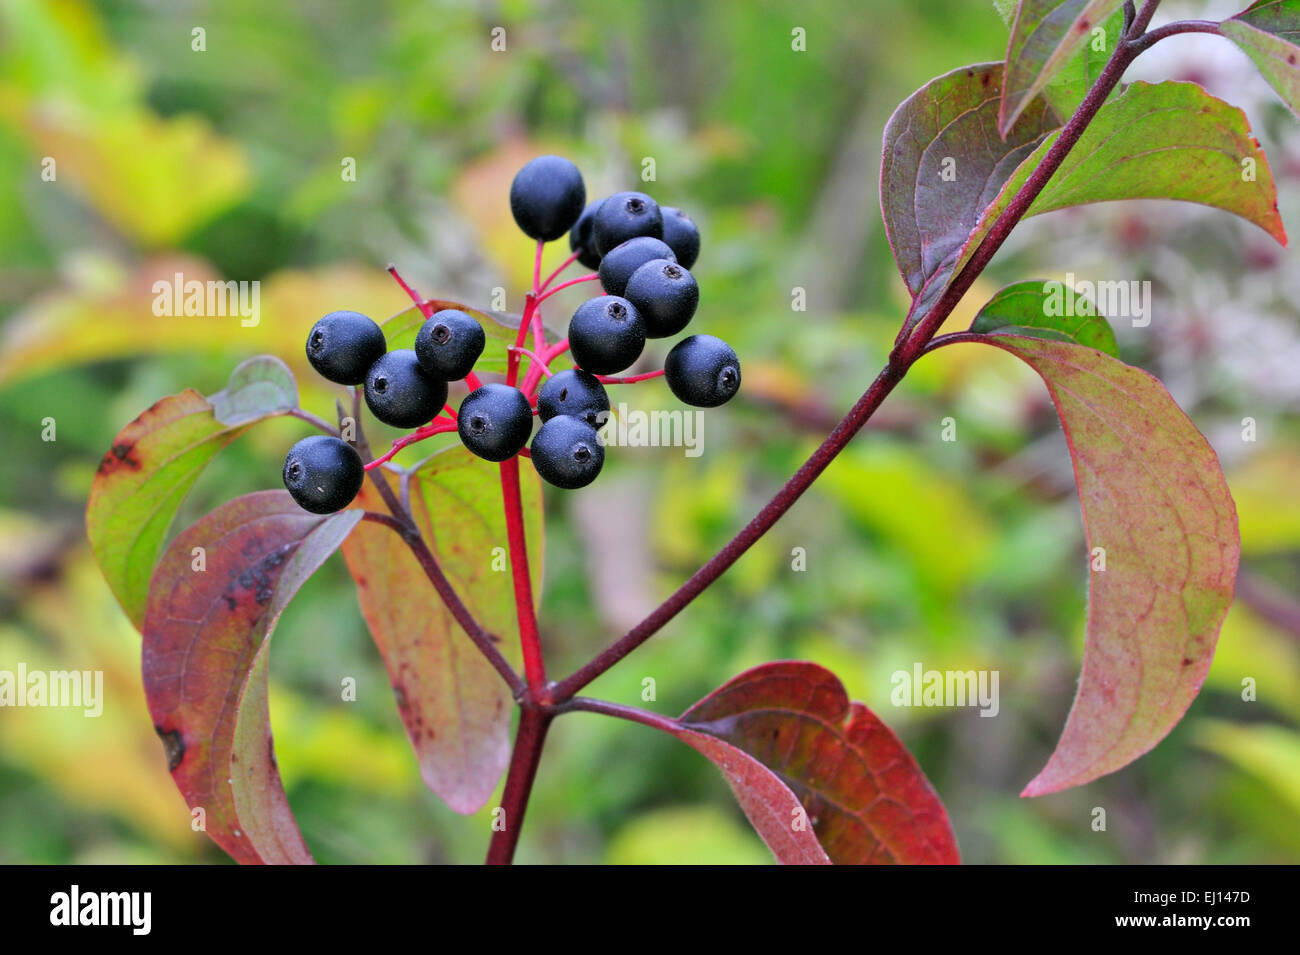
846	748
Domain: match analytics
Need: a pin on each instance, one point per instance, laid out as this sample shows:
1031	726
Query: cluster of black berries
642	253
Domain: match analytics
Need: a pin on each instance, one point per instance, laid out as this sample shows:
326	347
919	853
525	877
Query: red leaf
865	796
206	634
1153	496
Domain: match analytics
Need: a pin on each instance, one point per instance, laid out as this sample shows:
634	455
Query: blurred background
226	162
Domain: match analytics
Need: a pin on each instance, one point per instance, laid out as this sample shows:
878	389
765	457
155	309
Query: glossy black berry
567	452
576	393
401	393
449	344
621	261
580	236
682	235
323	474
665	294
703	371
606	334
547	197
343	345
623	216
495	421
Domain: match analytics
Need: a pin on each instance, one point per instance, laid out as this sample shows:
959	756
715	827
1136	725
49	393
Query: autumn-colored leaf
1045	36
1024	309
807	745
213	602
1269	33
1156	141
943	163
155	460
454	705
1163	545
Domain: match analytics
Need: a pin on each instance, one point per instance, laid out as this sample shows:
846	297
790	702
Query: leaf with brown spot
1269	33
786	735
454	705
206	640
1154	497
155	460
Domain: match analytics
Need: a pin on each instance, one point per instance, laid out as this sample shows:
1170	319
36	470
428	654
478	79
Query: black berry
567	452
623	216
547	197
606	334
576	393
580	237
621	261
401	393
449	344
343	345
495	421
682	235
323	474
665	294
703	371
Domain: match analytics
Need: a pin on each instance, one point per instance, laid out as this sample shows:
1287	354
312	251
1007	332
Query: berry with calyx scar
606	334
576	393
703	371
623	216
665	294
401	393
621	261
343	345
567	452
495	421
449	344
323	474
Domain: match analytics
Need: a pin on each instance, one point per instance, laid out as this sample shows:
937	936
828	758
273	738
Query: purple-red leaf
807	745
943	162
213	601
1161	531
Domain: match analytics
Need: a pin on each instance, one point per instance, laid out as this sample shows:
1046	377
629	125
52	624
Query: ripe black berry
606	334
621	261
682	235
703	371
449	344
576	393
623	216
547	197
343	345
401	393
323	474
665	294
495	421
567	452
580	236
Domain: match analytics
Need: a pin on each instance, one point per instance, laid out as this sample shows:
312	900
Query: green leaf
454	705
943	163
1270	753
1045	37
258	388
1269	33
785	736
1155	502
155	460
1035	309
207	631
1156	141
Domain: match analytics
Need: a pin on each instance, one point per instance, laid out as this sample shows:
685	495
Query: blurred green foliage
226	162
